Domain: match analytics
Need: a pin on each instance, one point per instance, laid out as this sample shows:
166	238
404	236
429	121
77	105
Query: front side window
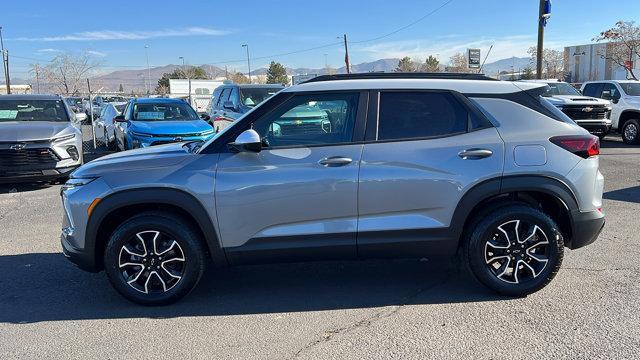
593	89
307	120
611	90
33	110
406	115
166	111
560	88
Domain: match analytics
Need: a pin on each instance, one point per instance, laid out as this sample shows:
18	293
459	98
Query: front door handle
335	161
475	154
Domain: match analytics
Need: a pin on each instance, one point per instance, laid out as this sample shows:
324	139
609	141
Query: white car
591	113
625	98
104	125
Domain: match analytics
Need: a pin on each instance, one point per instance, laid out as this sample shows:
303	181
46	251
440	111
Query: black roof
401	75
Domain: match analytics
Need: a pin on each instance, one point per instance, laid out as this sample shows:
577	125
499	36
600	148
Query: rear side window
224	96
406	115
593	89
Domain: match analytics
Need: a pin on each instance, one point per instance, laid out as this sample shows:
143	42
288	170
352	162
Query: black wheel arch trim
494	187
159	196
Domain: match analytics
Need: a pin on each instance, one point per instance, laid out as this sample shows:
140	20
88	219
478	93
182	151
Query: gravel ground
339	310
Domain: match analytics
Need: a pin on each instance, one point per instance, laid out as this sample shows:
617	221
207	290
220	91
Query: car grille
302	128
27	159
586	112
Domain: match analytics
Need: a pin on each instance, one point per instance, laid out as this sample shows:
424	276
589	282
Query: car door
614	94
297	198
424	151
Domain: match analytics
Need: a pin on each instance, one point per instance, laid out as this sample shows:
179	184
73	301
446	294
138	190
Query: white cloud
128	35
96	53
503	47
49	50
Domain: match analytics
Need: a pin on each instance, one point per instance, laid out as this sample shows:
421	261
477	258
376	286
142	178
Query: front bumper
586	227
595	127
36	175
80	257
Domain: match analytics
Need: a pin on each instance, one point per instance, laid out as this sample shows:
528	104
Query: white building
198	91
586	62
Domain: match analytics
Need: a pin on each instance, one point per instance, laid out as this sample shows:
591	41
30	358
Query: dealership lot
386	309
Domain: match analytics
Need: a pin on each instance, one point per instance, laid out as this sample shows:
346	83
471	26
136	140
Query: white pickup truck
625	98
589	112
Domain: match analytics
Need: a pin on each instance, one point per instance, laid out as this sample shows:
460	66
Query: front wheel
515	250
631	132
154	258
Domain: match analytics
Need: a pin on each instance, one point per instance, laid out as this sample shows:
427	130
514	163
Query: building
587	62
198	92
16	89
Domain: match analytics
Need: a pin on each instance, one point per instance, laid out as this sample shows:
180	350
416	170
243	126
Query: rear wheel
631	132
515	250
154	259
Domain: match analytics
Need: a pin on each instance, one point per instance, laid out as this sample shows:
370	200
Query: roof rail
400	75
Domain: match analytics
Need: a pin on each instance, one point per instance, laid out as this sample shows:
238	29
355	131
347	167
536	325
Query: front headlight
205	133
63	138
73	183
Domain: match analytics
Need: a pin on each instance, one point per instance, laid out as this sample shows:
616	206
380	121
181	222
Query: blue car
148	122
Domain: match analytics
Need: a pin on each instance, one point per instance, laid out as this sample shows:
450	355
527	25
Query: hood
151	157
576	100
165	127
34	130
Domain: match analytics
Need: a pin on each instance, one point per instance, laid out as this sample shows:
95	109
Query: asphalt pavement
405	309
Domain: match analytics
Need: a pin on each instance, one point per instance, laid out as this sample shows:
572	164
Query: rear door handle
475	154
335	161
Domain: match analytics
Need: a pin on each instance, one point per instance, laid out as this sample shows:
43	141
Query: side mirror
228	105
248	140
119	118
81	116
606	95
205	117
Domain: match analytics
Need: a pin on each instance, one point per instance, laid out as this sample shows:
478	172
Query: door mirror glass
248	140
228	105
205	117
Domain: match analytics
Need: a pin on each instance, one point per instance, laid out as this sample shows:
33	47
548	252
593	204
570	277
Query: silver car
396	165
40	139
105	127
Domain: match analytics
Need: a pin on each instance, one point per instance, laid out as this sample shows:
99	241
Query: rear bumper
586	226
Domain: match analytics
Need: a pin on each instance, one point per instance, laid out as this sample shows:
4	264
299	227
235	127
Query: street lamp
146	51
188	78
248	62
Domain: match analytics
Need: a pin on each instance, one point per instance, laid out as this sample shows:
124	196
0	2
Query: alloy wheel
152	262
517	252
630	132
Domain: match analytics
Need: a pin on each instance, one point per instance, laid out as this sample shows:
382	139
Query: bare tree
624	43
459	63
66	73
552	62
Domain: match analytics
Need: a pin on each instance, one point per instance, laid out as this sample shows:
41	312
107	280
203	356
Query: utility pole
544	13
248	62
346	55
37	78
146	51
93	132
5	63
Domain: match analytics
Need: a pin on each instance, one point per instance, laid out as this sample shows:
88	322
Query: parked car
39	138
591	113
441	165
230	101
625	98
104	127
99	102
75	103
148	122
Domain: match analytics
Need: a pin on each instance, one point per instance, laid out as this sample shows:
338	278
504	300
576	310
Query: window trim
374	115
273	103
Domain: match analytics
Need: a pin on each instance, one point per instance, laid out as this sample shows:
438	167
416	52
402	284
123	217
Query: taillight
584	146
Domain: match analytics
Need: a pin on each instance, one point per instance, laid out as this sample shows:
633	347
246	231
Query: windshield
120	108
166	111
74	101
113	99
631	89
560	88
32	110
253	96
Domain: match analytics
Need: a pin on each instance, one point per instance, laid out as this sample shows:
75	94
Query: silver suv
406	165
40	138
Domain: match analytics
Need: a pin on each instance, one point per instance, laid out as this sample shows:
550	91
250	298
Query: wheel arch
627	115
550	194
113	209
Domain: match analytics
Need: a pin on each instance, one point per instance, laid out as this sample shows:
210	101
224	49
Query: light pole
146	52
248	62
188	77
5	66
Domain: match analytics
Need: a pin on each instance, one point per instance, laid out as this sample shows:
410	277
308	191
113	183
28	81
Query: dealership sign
474	58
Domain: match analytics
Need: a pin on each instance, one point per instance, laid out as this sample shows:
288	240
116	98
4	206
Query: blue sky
211	32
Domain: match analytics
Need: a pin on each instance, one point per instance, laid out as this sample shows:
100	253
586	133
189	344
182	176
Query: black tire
162	287
484	236
631	132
